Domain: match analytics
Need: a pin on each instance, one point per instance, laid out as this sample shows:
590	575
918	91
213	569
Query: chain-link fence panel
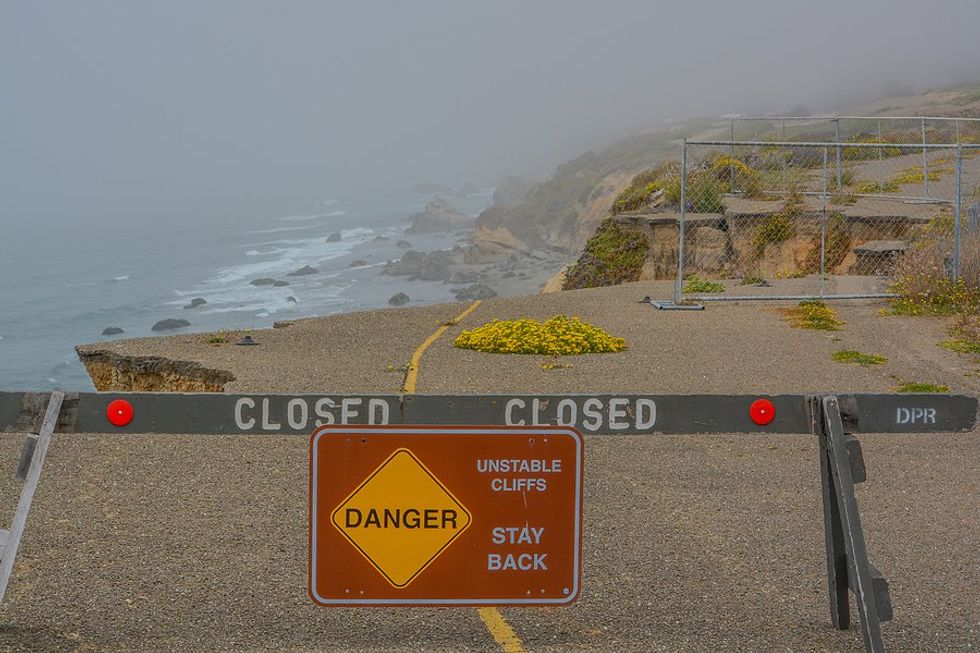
804	219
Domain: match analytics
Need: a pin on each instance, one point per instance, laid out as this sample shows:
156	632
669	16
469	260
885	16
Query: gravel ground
728	348
348	351
692	543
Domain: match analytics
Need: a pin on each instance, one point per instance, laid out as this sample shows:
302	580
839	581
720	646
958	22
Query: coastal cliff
110	371
564	211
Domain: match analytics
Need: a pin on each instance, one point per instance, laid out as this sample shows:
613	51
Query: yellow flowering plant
561	335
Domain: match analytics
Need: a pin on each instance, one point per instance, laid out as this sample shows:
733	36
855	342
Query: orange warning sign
445	515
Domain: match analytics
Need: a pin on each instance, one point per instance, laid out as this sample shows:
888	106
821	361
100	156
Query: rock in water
266	281
434	266
399	299
197	301
291	299
439	215
112	331
303	271
170	324
403	244
464	276
476	291
335	237
359	263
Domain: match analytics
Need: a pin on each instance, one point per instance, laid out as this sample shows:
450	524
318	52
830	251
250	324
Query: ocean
58	292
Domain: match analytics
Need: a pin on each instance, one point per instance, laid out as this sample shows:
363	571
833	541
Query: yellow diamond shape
401	518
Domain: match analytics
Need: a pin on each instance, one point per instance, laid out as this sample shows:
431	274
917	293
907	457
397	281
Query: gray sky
123	109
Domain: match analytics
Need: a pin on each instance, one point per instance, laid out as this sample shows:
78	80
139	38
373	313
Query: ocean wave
335	214
124	277
299	217
274	230
329	202
268	252
232	284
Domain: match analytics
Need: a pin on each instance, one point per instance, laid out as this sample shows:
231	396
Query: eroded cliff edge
110	371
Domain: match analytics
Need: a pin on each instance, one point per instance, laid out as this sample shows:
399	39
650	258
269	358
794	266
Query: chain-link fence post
731	163
881	165
837	140
679	282
925	163
783	138
959	209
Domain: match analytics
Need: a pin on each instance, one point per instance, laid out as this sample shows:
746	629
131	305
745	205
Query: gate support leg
10	540
848	567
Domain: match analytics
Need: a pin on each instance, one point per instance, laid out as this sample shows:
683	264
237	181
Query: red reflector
762	411
119	412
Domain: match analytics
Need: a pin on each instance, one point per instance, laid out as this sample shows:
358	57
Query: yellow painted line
411	377
495	622
501	631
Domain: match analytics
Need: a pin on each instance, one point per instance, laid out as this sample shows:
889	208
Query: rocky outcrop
170	324
398	299
111	372
474	292
555	283
303	271
194	303
490	244
432	266
439	215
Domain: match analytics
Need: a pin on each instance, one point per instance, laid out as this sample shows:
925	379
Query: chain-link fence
811	219
921	130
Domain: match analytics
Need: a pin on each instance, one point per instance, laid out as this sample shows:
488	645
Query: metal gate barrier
833	419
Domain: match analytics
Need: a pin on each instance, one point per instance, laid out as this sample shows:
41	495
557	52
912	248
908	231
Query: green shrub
643	185
696	284
857	358
964	335
872	187
612	256
915	176
812	314
865	153
778	227
704	194
922	387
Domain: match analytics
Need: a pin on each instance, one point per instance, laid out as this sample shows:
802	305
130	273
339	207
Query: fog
136	111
